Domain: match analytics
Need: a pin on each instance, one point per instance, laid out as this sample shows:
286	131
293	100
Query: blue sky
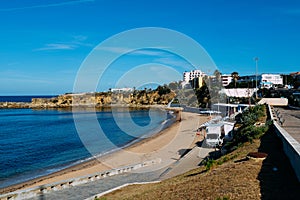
43	42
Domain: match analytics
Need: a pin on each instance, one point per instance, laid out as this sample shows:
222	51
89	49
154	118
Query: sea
26	98
38	142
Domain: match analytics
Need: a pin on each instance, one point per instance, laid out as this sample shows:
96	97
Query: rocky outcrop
14	105
101	99
106	99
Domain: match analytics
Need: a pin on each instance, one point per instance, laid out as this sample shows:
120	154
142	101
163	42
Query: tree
218	75
203	96
235	76
173	86
163	90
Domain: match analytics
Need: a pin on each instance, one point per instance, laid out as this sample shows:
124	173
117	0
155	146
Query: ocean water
34	143
22	98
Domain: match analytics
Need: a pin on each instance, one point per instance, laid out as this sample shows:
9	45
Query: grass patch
100	198
209	164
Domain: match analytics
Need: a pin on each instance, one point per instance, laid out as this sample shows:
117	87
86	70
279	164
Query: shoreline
92	162
30	105
145	147
88	162
97	164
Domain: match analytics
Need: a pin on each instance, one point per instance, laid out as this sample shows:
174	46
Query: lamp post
256	66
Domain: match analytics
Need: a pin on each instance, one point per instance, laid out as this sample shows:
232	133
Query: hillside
237	178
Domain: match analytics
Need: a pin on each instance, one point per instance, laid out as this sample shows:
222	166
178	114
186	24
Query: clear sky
44	42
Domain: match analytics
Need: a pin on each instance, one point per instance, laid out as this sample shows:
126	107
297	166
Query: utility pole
256	66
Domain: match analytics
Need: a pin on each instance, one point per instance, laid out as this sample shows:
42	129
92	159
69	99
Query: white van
214	135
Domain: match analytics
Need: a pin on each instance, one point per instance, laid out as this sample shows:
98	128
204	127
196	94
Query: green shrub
209	164
248	132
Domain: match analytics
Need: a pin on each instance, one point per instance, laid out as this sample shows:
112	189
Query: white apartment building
120	90
188	76
275	79
264	80
226	79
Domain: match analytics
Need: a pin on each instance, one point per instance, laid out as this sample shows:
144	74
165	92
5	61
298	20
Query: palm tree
235	76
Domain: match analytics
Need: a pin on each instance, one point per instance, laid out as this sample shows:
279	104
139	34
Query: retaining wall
291	147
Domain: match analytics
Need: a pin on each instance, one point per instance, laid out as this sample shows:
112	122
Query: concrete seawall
291	147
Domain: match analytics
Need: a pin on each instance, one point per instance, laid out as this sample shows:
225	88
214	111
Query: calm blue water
21	98
38	142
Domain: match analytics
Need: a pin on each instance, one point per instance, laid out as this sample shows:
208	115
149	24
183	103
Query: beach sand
168	145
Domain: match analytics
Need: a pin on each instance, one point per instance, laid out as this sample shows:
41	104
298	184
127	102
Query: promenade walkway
90	189
190	161
291	121
287	126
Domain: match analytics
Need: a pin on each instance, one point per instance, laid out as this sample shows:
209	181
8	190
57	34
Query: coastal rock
14	105
98	99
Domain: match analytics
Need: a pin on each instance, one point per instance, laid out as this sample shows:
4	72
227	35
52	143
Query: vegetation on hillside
251	124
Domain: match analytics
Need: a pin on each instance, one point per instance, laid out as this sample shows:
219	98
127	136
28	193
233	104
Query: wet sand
167	145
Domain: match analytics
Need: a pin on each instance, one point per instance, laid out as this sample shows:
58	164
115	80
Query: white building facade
226	79
188	76
275	79
193	78
121	90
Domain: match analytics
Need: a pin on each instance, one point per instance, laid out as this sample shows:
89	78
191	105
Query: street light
256	61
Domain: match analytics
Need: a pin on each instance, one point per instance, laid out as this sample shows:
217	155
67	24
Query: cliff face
137	98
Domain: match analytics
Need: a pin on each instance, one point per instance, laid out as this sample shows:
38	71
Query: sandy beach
167	145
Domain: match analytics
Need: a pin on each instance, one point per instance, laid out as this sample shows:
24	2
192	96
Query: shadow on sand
277	177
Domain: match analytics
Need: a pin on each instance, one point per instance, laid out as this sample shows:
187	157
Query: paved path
292	121
190	161
92	188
